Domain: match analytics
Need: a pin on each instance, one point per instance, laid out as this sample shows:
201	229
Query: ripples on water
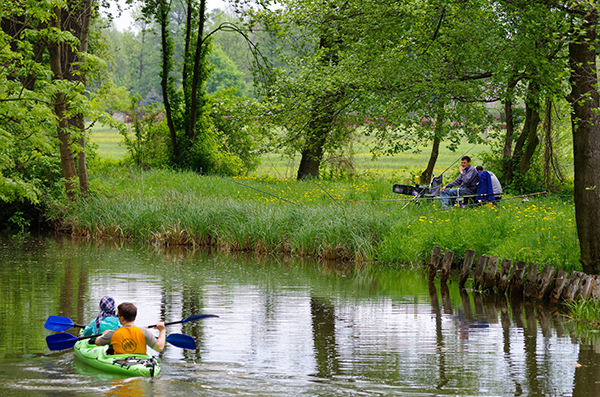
285	328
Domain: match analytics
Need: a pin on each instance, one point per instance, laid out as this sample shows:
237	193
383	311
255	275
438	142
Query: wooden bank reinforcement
515	278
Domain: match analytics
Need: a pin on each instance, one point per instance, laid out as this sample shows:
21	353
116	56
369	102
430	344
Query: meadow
358	219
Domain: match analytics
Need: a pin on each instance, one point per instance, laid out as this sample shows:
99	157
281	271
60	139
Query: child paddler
105	320
130	339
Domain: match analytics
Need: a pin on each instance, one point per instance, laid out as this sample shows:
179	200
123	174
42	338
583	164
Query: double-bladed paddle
60	323
64	341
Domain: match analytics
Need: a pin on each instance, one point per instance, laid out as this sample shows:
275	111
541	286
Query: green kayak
124	364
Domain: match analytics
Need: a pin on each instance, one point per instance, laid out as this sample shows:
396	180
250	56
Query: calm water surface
286	328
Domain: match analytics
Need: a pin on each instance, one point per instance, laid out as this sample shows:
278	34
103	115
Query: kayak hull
123	364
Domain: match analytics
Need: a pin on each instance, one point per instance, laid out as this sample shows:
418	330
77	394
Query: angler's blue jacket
485	187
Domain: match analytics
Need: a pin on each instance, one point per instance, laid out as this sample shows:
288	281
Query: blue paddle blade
58	323
183	341
196	317
62	341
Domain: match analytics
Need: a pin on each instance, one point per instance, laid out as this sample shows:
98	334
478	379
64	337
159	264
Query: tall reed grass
343	220
585	311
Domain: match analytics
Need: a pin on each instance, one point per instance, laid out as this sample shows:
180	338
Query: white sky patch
125	21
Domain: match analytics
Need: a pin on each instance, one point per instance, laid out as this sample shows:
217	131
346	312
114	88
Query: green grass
108	141
585	311
350	219
327	219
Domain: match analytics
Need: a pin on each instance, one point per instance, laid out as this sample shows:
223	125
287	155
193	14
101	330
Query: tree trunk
67	161
435	149
85	18
548	155
510	130
532	142
585	121
141	57
312	154
197	73
528	140
166	66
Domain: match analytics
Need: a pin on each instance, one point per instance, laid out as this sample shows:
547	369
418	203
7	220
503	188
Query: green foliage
147	142
239	132
585	311
223	74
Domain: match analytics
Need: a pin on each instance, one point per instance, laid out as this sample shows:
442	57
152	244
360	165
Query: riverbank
359	221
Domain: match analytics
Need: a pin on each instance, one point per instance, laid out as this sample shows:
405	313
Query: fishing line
263	192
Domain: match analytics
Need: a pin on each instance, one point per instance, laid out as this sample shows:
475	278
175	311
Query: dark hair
466	158
479	168
128	311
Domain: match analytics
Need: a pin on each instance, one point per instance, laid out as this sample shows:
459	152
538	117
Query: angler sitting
467	183
489	186
485	191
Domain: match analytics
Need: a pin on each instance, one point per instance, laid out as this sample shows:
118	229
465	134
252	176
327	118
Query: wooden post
546	283
466	268
532	273
479	269
562	279
585	286
504	276
435	262
596	288
490	273
571	289
516	281
446	266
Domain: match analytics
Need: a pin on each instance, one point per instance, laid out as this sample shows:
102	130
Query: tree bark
318	132
67	161
528	140
532	142
585	121
435	148
548	149
167	61
85	18
197	77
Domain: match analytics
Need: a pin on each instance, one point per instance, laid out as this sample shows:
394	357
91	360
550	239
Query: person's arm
91	327
456	182
470	179
105	338
159	345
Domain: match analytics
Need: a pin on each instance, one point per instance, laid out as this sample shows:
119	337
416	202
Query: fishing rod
471	205
432	198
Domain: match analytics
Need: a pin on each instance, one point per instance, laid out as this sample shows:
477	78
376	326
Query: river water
287	327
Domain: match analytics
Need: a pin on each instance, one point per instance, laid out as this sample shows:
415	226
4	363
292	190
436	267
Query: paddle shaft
171	323
194	317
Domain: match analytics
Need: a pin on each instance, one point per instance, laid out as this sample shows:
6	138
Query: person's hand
461	169
443	188
161	326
